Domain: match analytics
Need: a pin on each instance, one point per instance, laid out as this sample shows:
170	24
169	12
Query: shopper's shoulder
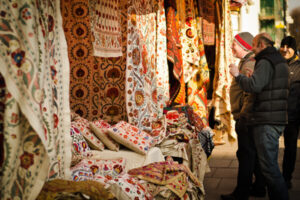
296	63
263	62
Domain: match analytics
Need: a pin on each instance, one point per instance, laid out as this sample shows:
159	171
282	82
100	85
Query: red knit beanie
244	39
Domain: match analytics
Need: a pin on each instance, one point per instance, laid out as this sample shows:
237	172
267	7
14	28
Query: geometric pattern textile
106	28
207	13
141	79
96	84
34	64
171	174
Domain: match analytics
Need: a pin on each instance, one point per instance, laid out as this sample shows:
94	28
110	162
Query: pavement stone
223	171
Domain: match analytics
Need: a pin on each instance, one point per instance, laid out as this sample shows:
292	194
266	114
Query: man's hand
234	70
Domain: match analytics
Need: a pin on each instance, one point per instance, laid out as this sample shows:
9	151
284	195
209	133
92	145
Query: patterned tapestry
189	38
97	84
222	78
207	12
174	55
142	97
162	72
197	93
106	28
34	64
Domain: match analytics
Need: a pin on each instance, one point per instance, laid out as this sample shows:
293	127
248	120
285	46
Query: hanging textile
207	13
188	38
197	86
96	84
162	72
177	90
141	79
173	39
106	28
34	64
222	79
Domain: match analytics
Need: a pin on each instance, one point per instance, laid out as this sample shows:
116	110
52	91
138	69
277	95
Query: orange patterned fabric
173	39
96	84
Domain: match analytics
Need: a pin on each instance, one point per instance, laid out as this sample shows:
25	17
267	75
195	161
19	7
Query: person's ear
261	44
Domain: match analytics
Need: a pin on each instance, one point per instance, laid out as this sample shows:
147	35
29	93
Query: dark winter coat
294	94
270	84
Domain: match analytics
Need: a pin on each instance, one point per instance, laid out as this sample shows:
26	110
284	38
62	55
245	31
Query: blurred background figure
288	50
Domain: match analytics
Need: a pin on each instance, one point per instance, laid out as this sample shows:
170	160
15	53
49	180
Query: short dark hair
266	40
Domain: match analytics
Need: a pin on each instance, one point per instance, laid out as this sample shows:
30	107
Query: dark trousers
248	161
266	140
291	132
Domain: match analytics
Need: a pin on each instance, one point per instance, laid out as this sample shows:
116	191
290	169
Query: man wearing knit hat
240	106
269	85
288	49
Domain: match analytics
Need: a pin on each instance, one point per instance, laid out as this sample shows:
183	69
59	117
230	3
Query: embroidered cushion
79	144
129	187
131	137
83	125
108	168
105	169
81	171
159	129
99	128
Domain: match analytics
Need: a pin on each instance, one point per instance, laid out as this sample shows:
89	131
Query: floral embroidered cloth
35	66
90	169
171	174
189	38
106	28
222	80
143	102
131	137
97	83
129	186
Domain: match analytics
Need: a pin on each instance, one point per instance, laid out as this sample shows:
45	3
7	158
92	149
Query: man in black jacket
288	49
269	83
241	104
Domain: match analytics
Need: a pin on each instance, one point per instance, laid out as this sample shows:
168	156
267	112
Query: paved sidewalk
223	164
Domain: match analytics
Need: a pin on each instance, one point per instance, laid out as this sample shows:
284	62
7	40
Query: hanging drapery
141	68
207	13
197	95
34	64
106	28
222	79
174	54
97	84
188	38
162	72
